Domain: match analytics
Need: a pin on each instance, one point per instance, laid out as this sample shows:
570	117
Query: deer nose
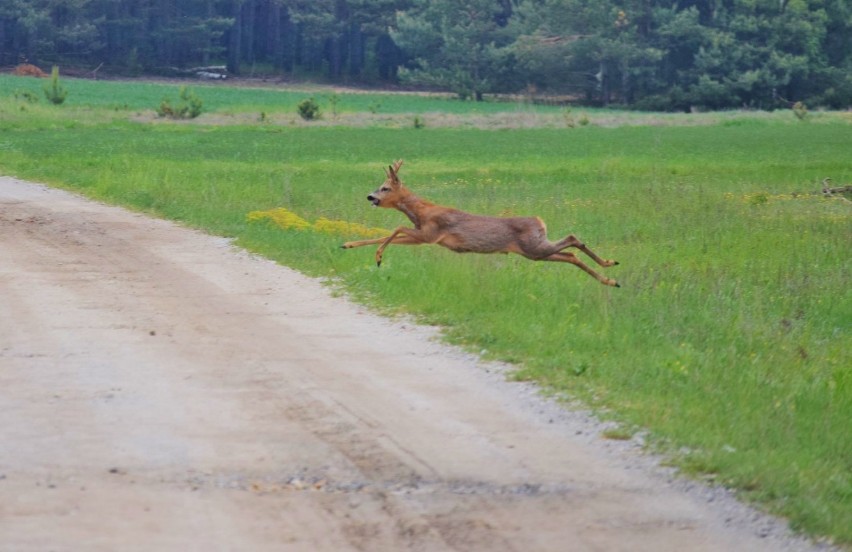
370	198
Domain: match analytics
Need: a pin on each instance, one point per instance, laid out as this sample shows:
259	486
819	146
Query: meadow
727	347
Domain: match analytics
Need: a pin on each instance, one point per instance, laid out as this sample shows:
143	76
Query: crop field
728	344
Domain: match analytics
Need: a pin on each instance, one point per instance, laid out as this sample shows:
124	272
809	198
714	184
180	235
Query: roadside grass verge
728	341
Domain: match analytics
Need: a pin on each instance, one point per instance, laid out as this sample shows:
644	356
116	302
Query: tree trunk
603	81
273	34
356	50
3	57
235	39
248	46
335	56
288	42
205	53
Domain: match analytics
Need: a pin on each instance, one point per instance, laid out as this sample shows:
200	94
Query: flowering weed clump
344	228
289	220
281	217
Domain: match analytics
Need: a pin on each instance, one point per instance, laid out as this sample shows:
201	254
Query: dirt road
163	391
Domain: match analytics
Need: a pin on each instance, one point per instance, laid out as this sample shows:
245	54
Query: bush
800	110
308	109
190	106
26	96
55	92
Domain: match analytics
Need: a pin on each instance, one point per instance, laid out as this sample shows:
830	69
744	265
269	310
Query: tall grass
728	341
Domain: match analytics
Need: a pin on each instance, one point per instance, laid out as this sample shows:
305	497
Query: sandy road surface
160	390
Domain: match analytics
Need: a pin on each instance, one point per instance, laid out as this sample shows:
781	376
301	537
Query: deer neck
412	206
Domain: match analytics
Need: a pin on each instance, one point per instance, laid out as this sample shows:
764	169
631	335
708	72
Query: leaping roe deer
464	233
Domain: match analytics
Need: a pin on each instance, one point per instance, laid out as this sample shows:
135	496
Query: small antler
393	170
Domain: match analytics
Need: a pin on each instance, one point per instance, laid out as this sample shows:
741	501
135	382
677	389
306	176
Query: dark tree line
340	40
673	54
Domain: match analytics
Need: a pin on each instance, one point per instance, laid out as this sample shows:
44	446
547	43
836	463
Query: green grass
728	342
221	98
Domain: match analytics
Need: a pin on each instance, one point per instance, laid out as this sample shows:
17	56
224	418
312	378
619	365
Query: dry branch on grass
837	192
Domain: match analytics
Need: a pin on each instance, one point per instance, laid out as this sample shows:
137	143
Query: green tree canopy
672	54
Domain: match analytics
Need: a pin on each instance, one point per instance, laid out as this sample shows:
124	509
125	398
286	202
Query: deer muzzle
373	199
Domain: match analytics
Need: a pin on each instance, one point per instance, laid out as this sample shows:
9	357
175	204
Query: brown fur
467	233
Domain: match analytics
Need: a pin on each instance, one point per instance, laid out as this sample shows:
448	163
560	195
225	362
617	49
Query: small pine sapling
54	91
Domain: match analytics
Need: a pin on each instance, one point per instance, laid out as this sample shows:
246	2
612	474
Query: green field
728	342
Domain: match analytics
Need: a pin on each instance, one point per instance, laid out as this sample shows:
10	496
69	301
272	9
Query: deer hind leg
572	241
571	258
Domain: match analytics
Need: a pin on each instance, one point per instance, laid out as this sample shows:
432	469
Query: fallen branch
206	72
836	191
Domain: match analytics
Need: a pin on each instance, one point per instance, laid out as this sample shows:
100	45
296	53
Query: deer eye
385	189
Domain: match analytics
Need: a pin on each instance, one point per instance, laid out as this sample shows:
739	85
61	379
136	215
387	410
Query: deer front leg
350	245
400	240
572	241
400	236
571	258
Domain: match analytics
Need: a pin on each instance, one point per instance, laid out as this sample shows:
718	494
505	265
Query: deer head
388	194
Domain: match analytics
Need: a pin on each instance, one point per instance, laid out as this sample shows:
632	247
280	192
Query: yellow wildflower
345	228
281	217
287	220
